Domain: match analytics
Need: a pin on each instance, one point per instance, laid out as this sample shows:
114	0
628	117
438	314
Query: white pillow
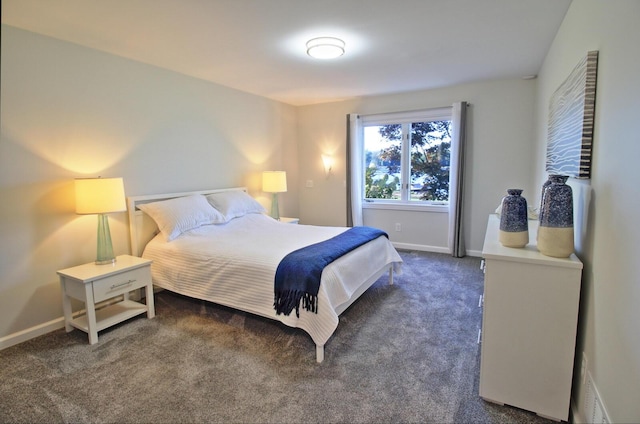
234	204
175	216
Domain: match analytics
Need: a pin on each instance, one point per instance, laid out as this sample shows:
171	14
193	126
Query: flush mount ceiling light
325	47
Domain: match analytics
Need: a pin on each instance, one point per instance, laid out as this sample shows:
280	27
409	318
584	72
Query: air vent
594	411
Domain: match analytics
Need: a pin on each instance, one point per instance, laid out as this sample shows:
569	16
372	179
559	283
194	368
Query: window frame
404	118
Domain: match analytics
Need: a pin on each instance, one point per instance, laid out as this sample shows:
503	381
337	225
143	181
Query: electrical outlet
309	183
398	226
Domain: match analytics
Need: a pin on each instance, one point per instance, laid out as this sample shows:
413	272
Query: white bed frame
143	228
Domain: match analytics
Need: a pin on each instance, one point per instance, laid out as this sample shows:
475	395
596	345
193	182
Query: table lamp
274	182
101	196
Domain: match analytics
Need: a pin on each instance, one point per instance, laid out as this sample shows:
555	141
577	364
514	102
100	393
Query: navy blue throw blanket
298	275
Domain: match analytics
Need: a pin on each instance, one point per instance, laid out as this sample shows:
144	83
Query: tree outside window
408	161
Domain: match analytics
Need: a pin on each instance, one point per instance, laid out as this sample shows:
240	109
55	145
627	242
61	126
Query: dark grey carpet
402	353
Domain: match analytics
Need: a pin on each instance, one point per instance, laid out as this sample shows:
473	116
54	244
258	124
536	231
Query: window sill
439	208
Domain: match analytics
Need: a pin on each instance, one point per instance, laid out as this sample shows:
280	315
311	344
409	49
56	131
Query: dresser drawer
124	282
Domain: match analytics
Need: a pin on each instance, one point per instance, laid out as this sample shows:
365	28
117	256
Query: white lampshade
274	181
100	195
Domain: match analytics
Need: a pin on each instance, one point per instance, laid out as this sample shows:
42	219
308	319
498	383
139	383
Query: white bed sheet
234	264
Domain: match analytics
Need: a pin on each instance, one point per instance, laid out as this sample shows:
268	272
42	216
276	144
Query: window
406	157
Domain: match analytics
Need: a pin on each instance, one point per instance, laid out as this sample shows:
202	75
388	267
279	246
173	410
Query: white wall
67	112
609	327
500	150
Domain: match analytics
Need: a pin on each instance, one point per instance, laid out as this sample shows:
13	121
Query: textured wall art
571	117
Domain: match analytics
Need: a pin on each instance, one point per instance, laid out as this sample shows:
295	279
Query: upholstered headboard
142	228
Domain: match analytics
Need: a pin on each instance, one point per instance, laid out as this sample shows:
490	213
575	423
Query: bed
230	256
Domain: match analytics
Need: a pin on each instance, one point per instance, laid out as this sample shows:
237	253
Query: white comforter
234	264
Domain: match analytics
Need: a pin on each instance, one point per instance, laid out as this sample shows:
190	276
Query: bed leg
319	353
391	276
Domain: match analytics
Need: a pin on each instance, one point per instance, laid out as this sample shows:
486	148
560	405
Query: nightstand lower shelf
110	315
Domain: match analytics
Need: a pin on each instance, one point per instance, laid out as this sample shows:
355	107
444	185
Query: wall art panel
571	118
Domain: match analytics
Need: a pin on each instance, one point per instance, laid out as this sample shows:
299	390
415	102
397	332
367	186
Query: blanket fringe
286	301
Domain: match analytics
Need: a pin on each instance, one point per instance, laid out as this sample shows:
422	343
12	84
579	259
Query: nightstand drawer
116	285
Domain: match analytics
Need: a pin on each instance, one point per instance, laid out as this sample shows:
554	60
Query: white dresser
529	325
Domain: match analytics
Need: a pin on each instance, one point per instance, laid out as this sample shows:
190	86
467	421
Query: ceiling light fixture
325	47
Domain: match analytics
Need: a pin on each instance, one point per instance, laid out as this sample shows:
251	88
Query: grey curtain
456	180
354	171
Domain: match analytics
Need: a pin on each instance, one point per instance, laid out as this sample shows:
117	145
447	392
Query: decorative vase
555	232
544	186
514	227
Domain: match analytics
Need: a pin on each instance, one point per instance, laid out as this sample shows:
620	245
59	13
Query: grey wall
499	156
68	112
607	206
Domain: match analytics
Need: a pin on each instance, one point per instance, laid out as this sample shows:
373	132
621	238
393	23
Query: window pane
430	152
382	154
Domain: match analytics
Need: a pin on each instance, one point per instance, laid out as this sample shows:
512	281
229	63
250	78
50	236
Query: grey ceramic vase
514	226
555	232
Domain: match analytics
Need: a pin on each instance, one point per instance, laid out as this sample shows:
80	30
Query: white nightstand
289	220
93	284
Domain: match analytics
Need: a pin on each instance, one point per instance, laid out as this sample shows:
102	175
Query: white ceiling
258	46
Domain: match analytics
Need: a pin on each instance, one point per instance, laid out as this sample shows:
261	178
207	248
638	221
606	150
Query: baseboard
435	249
53	325
30	333
474	253
420	247
576	417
